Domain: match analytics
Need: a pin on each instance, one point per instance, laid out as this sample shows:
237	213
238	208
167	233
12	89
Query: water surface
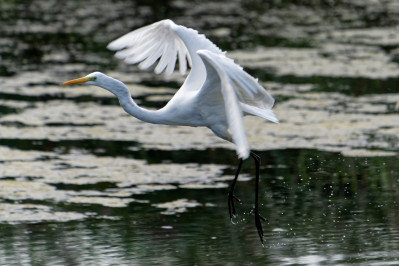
83	183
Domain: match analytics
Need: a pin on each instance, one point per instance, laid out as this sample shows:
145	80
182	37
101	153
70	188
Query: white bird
217	92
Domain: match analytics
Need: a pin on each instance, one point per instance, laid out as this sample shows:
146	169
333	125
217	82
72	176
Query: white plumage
213	80
217	92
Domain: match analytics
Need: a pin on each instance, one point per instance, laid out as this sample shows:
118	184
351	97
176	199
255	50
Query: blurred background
83	183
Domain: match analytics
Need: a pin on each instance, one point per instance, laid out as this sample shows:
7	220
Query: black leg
231	197
258	217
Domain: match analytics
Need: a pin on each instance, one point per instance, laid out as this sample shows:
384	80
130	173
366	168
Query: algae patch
177	206
54	179
33	213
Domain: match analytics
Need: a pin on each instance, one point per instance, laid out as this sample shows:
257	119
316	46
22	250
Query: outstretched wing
241	93
164	41
253	98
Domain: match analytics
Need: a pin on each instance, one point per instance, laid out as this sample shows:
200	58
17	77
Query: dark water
81	183
323	209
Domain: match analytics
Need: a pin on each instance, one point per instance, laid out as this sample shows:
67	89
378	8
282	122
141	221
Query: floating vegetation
83	183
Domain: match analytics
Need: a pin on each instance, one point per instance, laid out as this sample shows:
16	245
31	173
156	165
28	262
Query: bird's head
104	81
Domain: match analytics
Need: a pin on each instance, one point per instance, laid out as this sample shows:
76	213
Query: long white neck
129	105
149	116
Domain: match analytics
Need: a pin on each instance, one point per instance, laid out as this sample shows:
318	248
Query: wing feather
246	87
242	94
149	44
162	44
234	113
165	42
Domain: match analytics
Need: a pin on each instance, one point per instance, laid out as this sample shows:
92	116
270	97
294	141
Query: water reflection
322	207
82	183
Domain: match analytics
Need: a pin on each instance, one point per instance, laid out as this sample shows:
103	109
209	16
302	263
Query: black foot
231	197
230	202
258	217
258	224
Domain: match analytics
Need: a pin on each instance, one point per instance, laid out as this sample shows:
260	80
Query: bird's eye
92	78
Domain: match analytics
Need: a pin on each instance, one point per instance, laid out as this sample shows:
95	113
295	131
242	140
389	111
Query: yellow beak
77	81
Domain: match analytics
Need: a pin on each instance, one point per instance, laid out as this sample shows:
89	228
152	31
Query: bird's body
217	93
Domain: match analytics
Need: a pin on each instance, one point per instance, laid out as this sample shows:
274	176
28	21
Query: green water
82	183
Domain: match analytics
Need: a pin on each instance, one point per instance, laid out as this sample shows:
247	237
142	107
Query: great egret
216	93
